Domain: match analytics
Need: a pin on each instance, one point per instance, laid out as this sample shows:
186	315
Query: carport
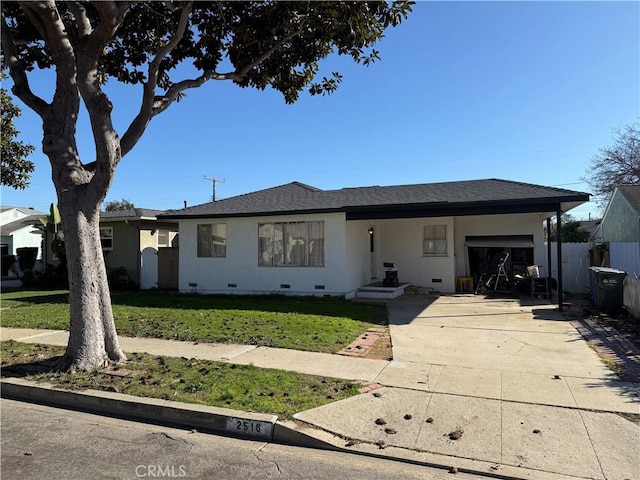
547	202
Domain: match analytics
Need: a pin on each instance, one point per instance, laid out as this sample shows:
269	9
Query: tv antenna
213	185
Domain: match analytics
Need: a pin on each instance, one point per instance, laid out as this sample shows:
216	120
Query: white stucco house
297	239
17	230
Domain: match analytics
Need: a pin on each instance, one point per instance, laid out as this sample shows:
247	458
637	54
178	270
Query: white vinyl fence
625	256
631	296
575	266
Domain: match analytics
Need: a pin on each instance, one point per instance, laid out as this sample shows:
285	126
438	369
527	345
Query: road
41	442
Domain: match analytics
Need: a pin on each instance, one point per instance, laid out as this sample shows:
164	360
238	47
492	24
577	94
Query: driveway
501	349
494	385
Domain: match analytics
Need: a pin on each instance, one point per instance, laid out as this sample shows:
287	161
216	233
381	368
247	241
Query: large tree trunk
93	341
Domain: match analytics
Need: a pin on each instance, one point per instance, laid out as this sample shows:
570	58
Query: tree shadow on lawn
375	313
36	367
45	298
370	312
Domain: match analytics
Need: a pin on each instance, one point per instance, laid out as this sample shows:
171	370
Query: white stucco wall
347	256
240	266
357	266
27	236
400	241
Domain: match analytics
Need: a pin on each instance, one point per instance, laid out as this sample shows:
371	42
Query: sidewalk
499	413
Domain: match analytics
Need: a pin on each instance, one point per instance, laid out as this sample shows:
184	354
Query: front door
372	253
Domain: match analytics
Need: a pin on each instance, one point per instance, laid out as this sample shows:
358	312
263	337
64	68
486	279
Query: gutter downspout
549	289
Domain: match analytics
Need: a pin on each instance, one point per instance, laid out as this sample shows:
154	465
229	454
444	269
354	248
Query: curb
202	418
244	425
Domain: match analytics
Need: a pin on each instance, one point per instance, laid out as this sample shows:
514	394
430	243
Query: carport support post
559	260
549	289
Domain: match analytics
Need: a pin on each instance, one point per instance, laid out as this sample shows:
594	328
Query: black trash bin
607	288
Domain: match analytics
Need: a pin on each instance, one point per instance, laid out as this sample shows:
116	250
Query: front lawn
301	323
240	387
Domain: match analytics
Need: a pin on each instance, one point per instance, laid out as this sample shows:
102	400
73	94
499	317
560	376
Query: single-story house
299	239
17	231
131	239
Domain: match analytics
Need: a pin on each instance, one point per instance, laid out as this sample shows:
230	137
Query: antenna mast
213	185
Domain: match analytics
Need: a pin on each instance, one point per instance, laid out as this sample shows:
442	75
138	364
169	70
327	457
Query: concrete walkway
488	385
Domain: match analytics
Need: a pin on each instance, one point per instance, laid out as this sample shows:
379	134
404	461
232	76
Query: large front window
212	240
291	244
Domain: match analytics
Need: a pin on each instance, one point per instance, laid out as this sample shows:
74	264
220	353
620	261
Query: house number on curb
253	428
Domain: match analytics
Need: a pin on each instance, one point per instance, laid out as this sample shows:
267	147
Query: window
291	244
163	238
106	238
212	240
434	241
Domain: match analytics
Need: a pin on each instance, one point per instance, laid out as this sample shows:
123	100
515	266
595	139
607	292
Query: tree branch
21	88
159	104
141	121
82	20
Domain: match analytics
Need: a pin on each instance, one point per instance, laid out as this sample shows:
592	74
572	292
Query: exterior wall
240	266
400	241
514	224
28	236
620	223
11	215
357	269
126	249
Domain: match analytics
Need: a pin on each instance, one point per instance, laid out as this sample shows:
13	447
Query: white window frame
106	238
434	240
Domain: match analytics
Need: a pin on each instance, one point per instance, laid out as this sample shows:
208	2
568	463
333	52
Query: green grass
241	387
301	323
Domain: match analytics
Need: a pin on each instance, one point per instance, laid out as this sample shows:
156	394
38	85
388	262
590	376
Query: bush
27	257
7	263
54	276
119	279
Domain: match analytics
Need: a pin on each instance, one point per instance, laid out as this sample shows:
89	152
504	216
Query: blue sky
525	91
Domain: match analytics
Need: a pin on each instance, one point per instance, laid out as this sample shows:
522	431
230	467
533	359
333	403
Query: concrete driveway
494	385
498	348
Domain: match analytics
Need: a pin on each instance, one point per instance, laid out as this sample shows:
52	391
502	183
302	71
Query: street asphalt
493	386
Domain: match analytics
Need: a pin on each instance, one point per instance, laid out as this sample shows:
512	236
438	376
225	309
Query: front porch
378	290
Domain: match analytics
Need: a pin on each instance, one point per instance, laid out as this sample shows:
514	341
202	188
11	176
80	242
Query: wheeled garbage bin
607	288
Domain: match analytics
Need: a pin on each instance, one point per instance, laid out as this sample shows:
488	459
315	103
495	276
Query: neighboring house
17	230
619	229
131	239
621	219
298	239
589	225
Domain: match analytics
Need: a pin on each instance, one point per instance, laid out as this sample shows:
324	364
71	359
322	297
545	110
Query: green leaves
266	44
16	169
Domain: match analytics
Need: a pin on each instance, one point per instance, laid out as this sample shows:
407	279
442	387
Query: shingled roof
130	213
632	194
430	199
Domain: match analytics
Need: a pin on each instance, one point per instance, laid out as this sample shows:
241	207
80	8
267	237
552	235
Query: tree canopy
618	164
571	231
16	168
163	49
116	205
